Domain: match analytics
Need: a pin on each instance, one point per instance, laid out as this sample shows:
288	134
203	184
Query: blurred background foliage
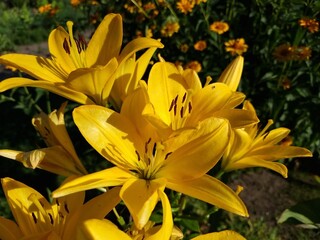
281	75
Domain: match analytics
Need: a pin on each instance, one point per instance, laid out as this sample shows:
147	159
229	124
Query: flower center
75	47
180	109
151	160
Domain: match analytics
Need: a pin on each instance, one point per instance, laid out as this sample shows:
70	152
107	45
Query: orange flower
219	27
75	2
45	8
311	24
195	65
200	1
185	6
284	52
303	53
236	46
200	45
169	29
184	48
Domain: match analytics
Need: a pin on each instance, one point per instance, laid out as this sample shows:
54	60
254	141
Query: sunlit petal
223	235
96	229
106	41
212	191
57	88
111	134
141	197
105	178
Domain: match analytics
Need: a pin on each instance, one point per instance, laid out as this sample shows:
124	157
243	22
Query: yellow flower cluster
164	133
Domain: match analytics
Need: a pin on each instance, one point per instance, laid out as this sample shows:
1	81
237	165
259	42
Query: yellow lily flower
81	72
250	148
223	235
60	156
36	218
104	229
178	100
232	74
145	164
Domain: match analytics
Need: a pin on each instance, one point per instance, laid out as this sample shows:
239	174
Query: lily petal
57	88
198	150
38	67
94	82
97	229
213	191
28	216
223	235
9	230
165	231
256	161
106	41
232	74
141	197
110	133
105	178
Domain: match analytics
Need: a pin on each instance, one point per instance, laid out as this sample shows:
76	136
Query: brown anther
189	107
167	155
184	97
181	112
51	218
66	208
137	155
171	105
175	109
34	217
66	46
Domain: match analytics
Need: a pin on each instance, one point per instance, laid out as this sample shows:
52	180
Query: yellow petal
165	231
197	150
141	196
256	161
105	178
212	191
98	207
164	85
57	88
96	229
137	45
209	100
57	51
232	74
9	230
192	80
28	216
223	235
110	133
94	82
238	118
38	67
106	41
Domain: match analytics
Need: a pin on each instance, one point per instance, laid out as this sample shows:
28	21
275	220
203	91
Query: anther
184	97
34	217
189	107
66	208
66	46
51	218
175	110
137	155
171	106
167	155
181	112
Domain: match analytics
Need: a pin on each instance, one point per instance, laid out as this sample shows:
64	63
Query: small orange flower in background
185	6
236	46
47	8
200	45
311	24
284	52
195	65
184	48
286	83
75	3
169	29
303	53
200	1
219	27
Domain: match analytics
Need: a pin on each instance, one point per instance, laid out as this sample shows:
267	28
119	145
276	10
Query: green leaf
307	213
